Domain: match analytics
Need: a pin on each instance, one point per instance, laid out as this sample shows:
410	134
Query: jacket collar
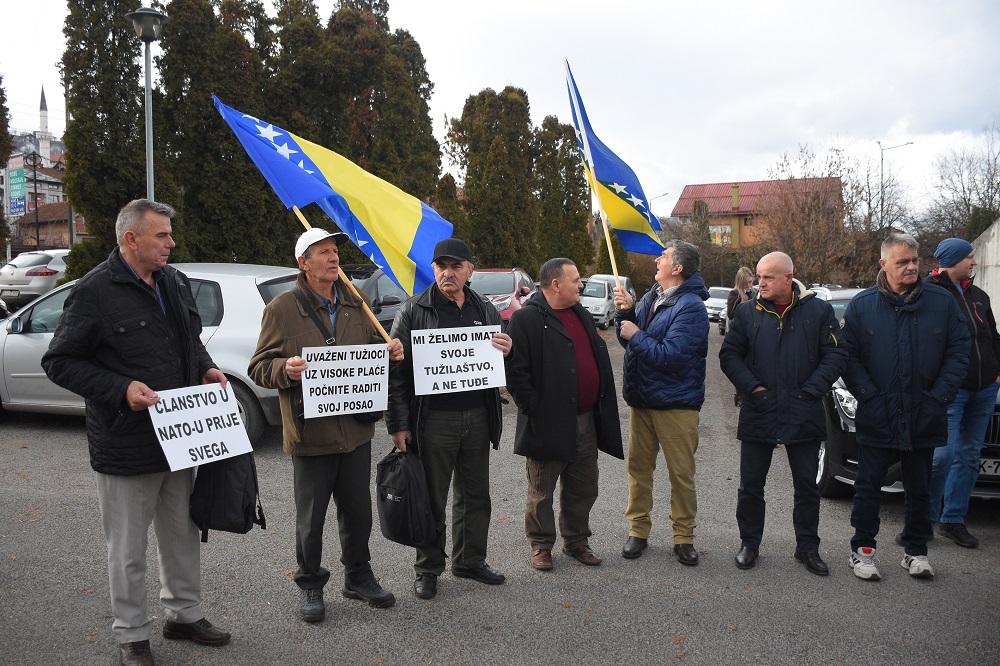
908	299
941	278
537	300
344	294
800	293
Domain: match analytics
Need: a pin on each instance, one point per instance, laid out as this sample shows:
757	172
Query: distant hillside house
738	213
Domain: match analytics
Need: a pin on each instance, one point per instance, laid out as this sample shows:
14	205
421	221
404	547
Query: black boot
362	585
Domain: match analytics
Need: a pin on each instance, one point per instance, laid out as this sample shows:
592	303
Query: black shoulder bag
364	417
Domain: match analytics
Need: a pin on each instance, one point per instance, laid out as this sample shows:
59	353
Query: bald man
782	354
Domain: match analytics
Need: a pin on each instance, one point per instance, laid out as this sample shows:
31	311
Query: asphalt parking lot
54	592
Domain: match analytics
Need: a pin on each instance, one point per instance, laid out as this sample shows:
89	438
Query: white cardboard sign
345	379
199	424
449	360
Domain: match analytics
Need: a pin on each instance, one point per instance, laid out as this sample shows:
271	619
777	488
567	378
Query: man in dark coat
130	328
560	376
956	466
908	347
666	341
782	354
452	432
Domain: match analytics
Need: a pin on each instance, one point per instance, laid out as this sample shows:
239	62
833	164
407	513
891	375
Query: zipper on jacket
975	340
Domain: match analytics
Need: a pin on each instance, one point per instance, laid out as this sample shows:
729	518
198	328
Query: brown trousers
576	496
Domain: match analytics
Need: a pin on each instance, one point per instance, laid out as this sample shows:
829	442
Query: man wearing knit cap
956	466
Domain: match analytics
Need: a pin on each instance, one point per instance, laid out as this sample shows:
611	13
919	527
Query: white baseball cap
312	236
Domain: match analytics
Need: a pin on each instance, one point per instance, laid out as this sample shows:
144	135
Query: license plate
989	466
9	292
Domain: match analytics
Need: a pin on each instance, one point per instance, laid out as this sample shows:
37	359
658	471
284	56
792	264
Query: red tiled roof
50	212
753	194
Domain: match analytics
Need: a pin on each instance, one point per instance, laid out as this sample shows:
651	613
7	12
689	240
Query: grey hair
130	217
552	269
686	255
898	239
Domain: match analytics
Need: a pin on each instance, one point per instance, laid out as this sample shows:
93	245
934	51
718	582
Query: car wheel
831	456
250	412
605	324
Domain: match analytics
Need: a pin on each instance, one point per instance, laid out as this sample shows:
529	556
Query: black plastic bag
404	505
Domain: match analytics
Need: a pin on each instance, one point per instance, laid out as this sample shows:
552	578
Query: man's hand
627	330
140	397
395	348
294	368
623	299
503	342
214	376
400	440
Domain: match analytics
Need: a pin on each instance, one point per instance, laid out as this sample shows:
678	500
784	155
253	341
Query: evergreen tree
105	137
493	143
447	203
563	195
6	145
604	259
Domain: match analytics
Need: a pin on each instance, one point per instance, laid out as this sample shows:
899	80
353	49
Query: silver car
31	274
598	299
716	303
230	300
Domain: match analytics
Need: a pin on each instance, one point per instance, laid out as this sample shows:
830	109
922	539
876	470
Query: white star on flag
372	258
268	132
636	201
285	151
247	115
617	188
303	167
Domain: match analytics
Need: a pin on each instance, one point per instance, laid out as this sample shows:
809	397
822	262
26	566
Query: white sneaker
863	563
918	566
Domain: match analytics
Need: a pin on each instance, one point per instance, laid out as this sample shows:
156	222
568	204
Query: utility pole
34	177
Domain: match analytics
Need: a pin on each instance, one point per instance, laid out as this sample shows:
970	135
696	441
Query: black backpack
404	506
225	497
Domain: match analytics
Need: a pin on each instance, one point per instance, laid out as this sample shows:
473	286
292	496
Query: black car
838	455
384	295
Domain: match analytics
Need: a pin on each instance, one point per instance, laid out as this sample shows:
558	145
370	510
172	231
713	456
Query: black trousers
873	462
755	461
346	477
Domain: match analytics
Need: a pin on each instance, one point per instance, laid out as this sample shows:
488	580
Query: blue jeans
956	466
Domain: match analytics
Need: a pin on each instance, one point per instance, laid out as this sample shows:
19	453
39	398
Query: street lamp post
147	24
881	177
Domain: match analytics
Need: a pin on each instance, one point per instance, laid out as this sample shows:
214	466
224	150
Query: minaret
43	136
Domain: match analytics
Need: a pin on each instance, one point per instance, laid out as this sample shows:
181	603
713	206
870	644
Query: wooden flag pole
352	288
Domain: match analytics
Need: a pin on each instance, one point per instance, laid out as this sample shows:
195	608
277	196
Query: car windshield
718	292
595	288
493	283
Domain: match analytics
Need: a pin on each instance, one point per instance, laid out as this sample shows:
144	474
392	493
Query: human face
668	274
148	244
901	266
774	285
565	289
322	266
964	269
450	275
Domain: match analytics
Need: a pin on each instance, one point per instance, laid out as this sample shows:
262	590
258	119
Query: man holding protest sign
331	455
453	425
130	328
560	376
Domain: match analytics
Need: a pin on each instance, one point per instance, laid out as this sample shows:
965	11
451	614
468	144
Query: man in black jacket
956	466
452	432
130	328
560	376
782	354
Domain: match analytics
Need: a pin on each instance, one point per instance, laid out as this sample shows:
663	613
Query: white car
625	282
599	301
716	303
230	300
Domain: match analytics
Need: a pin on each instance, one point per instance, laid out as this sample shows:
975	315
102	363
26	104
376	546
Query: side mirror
389	300
525	291
14	325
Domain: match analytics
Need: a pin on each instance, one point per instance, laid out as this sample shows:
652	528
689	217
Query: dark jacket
112	332
796	356
665	359
907	358
541	375
984	351
733	301
407	409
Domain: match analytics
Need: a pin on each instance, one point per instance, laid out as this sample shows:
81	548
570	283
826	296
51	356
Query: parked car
506	288
610	279
31	274
599	301
723	320
230	300
838	455
716	303
384	295
4	310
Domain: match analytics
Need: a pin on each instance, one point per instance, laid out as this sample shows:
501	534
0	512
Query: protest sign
347	379
448	360
198	425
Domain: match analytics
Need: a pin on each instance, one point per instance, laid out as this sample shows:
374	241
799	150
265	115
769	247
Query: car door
27	386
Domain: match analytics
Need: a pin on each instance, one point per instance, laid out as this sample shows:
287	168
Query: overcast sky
683	92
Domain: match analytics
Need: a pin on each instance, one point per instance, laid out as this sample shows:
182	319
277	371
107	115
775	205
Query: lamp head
147	23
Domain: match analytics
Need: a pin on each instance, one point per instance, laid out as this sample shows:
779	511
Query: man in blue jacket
782	354
666	341
908	347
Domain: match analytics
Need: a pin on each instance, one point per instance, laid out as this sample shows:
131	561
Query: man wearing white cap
331	455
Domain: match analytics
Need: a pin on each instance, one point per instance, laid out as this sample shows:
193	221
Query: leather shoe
746	558
541	559
364	586
481	572
958	533
686	554
425	586
201	632
633	547
584	555
311	605
135	654
813	562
